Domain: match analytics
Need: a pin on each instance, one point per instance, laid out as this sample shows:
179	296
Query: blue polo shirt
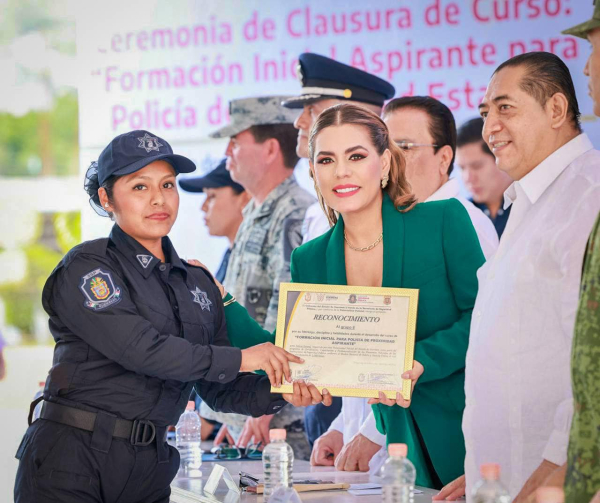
499	220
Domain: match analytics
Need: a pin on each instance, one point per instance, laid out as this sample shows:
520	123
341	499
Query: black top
499	220
133	335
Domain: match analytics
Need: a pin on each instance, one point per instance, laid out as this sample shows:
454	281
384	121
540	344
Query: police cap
324	78
130	152
217	178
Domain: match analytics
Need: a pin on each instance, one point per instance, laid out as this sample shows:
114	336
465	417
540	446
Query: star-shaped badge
201	298
149	143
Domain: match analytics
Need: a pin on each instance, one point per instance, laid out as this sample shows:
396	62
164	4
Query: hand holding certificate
355	341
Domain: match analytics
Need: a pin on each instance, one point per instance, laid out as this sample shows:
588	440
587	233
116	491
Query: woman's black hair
91	186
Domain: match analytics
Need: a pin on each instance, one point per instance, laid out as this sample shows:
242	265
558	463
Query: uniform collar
268	205
139	257
535	183
447	191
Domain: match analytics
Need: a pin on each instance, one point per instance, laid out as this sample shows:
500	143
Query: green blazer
433	248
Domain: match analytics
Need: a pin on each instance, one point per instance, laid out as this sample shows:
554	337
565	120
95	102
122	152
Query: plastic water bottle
187	439
550	495
489	489
278	462
398	476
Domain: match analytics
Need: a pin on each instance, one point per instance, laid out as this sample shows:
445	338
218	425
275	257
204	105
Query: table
302	470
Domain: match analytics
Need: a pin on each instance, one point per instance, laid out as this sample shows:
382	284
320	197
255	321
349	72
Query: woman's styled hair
91	186
398	187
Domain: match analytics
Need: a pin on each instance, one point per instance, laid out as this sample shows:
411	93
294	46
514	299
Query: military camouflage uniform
259	261
260	258
583	466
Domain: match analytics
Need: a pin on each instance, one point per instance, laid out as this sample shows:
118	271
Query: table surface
302	470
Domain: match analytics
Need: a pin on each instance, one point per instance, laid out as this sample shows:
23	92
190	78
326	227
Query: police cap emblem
149	143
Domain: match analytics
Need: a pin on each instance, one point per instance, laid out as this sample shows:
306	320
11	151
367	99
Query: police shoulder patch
99	290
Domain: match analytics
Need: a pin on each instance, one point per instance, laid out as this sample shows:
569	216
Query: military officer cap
130	152
217	178
581	30
261	111
324	78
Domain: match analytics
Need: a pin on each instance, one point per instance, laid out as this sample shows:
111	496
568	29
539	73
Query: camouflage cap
581	30
259	111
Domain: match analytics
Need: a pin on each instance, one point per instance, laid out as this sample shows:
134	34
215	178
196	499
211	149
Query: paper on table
363	487
370	489
179	495
364	492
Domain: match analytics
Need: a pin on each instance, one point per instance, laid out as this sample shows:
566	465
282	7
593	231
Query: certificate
355	341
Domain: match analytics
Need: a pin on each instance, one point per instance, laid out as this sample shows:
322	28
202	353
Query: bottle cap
277	434
550	495
191	405
490	471
398	450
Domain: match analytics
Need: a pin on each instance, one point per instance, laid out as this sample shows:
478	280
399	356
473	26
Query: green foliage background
21	140
38	144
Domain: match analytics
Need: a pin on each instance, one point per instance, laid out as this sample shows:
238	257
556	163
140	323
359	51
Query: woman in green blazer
381	237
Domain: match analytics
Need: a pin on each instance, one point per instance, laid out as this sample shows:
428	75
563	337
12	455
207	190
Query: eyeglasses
407	146
226	451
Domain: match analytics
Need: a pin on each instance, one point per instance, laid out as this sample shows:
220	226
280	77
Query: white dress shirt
517	381
484	227
356	416
315	223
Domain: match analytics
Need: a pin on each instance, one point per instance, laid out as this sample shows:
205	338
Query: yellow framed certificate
355	341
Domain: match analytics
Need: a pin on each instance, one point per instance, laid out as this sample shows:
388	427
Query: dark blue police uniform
133	336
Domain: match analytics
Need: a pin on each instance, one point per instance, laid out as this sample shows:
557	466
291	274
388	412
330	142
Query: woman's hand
307	394
256	430
223	436
270	358
413	375
452	491
197	263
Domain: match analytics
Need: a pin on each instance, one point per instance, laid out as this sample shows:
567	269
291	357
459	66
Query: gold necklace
364	248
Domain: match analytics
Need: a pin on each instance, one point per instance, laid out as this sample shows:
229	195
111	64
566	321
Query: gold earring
384	181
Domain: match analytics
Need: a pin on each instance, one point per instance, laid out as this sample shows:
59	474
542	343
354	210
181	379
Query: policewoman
135	329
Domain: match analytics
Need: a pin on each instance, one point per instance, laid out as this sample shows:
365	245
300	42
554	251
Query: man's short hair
442	127
285	134
470	132
546	75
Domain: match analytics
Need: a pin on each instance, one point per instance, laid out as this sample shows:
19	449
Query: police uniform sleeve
114	327
248	393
